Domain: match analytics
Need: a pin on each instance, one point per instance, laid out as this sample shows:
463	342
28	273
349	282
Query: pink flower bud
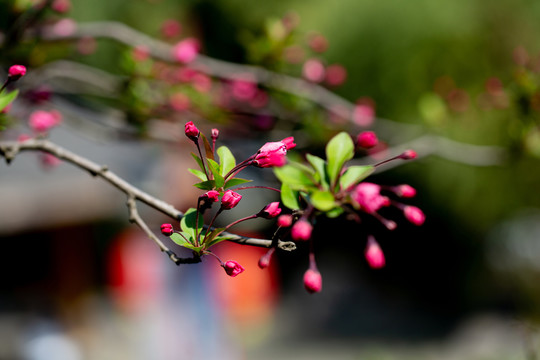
230	199
61	6
363	115
404	190
414	215
301	230
368	197
313	70
244	88
191	131
312	281
270	211
215	134
186	50
264	261
335	75
212	195
49	160
16	72
285	220
408	155
318	42
232	268
167	229
273	153
171	28
374	254
367	139
179	101
42	121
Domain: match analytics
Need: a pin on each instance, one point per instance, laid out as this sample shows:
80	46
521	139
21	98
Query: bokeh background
80	282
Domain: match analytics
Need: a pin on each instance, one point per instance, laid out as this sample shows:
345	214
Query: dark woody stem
202	158
8	80
212	222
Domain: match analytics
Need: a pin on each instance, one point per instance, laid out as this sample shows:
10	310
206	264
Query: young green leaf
209	239
198	160
289	197
189	225
323	200
320	168
6	99
198	173
294	176
206	185
335	212
181	239
226	159
339	150
234	182
354	174
215	168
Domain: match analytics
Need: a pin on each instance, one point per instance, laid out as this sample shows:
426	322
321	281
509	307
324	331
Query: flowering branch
10	149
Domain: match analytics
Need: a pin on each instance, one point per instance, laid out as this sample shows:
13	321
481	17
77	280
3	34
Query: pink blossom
179	101
185	74
273	153
301	230
335	75
289	142
186	50
244	88
215	134
285	220
404	190
264	261
363	115
230	199
408	155
232	268
212	195
313	70
16	72
270	211
61	6
191	131
313	281
368	197
374	254
318	42
64	27
167	229
171	28
367	139
42	121
414	215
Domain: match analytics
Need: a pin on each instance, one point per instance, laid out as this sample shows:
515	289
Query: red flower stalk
232	268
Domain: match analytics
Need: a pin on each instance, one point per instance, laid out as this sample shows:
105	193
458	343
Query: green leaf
234	182
181	240
206	185
209	239
323	200
339	150
207	147
354	174
226	159
199	174
335	212
289	197
320	168
6	99
216	171
198	160
189	225
294	176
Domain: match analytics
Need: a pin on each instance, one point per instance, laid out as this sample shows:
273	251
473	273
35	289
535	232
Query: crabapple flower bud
16	72
270	211
301	230
191	131
167	229
215	134
313	70
186	50
230	199
408	155
289	142
273	153
414	215
232	268
264	261
368	197
285	220
374	254
212	195
404	190
42	121
313	281
335	75
363	115
367	139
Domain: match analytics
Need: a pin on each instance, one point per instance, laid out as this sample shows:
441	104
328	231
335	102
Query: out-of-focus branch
10	149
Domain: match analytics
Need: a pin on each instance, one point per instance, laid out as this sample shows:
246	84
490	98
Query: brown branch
10	149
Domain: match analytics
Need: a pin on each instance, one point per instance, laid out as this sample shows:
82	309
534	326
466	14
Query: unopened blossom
318	42
61	6
285	220
313	281
363	115
140	53
273	153
179	101
374	254
186	50
230	199
408	155
233	268
404	190
191	131
301	230
215	134
201	82
167	229
335	75
264	261
211	195
42	121
244	88
270	211
15	72
313	70
171	28
368	197
414	215
367	139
